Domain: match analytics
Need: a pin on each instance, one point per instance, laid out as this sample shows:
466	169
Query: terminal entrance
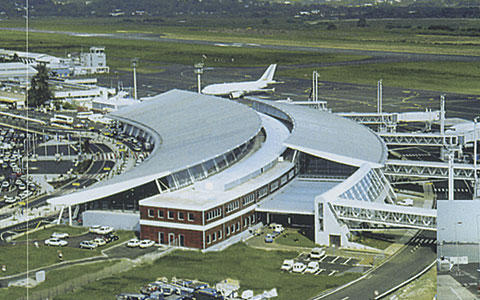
335	241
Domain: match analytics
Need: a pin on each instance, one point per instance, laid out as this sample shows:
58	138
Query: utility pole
475	183
315	86
134	63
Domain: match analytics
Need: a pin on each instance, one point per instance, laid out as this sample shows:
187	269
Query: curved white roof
329	136
192	127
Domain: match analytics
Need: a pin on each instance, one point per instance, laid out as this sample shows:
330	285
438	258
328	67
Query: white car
287	265
55	242
104	230
146	243
60	235
133	243
298	267
10	199
88	245
312	267
5	184
317	253
99	241
94	228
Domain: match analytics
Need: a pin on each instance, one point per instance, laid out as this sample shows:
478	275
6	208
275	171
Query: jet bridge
420	139
385	214
425	169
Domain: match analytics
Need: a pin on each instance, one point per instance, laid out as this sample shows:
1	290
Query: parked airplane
239	89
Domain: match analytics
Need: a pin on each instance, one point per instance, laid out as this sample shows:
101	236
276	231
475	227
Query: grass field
455	77
423	288
293	237
46	233
255	269
55	278
15	256
152	55
402	35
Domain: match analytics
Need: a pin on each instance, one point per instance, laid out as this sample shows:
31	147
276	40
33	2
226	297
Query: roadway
411	260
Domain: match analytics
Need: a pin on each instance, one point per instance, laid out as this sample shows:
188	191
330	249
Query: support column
451	182
60	215
70	215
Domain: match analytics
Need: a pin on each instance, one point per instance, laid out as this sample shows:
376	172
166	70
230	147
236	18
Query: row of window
213	214
252	197
230	229
180	215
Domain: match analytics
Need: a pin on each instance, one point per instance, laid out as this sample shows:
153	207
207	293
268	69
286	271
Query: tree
39	91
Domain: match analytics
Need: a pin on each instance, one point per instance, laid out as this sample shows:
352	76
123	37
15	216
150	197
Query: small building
16	71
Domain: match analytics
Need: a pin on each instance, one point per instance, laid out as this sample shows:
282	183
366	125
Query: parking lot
331	265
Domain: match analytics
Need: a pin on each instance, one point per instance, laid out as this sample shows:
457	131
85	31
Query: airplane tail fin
268	75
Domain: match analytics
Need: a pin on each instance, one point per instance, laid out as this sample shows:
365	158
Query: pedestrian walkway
449	288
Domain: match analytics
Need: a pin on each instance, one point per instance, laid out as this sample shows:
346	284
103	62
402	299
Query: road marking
347	261
319	271
76	184
346	298
322	258
333	272
455	293
335	259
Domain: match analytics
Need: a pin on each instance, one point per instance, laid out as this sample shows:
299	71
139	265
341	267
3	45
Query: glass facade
201	171
319	167
369	188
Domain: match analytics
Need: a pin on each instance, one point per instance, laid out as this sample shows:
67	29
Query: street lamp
134	64
199	71
458	253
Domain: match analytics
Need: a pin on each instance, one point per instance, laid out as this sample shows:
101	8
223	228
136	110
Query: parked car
60	235
88	245
278	228
94	228
312	267
287	265
298	267
104	230
146	243
110	237
317	253
10	199
55	242
133	243
99	242
268	238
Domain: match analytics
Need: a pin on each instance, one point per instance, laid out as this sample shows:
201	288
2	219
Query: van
278	228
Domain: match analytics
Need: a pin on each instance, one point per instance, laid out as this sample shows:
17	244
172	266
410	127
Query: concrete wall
118	220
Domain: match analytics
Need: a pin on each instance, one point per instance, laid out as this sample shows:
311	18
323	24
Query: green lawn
153	55
258	270
455	77
292	237
371	241
46	233
15	256
56	277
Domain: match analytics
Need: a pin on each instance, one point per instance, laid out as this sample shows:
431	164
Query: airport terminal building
219	167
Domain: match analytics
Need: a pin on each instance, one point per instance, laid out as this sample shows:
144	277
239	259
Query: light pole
199	71
475	186
134	64
478	241
458	253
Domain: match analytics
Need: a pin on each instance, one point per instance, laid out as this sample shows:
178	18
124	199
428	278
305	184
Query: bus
61	119
84	114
